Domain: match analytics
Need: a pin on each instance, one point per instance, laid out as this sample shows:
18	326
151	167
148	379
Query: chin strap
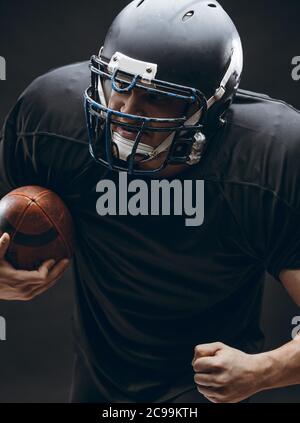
125	146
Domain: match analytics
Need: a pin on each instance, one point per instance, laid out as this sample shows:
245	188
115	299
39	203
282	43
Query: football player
165	312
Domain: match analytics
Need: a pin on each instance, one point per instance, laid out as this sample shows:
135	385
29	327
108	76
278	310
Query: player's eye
121	85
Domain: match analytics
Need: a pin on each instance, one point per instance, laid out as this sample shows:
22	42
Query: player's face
140	102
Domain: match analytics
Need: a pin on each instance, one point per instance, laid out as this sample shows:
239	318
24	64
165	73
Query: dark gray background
35	36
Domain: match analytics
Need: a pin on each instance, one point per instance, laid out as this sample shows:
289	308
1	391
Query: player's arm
224	374
291	281
283	363
227	375
18	167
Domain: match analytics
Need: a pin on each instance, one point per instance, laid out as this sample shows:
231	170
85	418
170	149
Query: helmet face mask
101	116
116	139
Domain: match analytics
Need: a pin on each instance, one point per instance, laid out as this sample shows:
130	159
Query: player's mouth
128	133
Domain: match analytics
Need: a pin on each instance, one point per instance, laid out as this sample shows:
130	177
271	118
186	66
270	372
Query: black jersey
150	288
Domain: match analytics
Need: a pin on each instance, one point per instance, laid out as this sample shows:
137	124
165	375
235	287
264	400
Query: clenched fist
24	285
226	375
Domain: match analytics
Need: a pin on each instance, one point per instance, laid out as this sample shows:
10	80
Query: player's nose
133	104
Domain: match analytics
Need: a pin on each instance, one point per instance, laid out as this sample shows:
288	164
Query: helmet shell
191	42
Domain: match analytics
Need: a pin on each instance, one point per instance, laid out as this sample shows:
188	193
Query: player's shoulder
262	114
53	102
261	147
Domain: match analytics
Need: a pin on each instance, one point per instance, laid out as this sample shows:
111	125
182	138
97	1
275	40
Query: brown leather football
39	224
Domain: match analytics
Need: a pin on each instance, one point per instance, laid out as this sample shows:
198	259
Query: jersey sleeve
38	158
17	165
43	140
283	239
269	227
262	180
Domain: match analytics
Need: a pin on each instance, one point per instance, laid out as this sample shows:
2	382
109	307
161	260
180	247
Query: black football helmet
184	49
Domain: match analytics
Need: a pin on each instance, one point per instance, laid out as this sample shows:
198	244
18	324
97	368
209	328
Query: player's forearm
281	367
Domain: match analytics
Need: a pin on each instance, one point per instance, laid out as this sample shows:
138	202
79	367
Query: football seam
19	222
17	194
58	230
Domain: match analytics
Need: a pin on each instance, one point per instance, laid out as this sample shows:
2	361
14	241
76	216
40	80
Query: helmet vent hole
212	5
188	15
140	3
